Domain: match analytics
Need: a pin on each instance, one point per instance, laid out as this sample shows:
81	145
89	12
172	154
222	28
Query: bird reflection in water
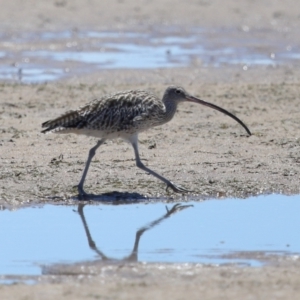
133	256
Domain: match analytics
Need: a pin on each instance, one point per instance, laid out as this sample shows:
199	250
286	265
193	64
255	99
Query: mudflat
199	149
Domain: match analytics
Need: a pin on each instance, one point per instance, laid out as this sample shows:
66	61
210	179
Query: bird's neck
171	107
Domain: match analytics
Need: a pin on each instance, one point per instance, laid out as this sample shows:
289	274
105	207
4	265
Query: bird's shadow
114	197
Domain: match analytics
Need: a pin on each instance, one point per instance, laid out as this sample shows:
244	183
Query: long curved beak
196	100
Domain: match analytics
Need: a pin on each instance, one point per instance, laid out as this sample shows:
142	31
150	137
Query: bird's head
178	94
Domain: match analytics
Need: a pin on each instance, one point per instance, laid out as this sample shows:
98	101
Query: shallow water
209	232
48	56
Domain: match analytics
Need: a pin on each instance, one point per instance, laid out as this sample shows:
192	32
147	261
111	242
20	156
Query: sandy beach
200	149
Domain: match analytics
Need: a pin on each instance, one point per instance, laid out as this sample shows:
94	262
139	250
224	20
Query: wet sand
169	281
200	149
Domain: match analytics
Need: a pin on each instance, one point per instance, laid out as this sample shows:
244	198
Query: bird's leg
174	187
92	153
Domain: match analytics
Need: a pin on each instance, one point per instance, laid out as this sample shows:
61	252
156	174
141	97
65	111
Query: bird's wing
123	111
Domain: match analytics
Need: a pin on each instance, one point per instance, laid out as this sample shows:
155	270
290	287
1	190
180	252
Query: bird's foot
82	195
176	188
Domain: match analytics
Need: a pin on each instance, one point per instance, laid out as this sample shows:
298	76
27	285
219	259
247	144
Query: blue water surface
205	232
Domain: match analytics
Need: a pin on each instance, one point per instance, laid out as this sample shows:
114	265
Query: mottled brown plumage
112	116
124	115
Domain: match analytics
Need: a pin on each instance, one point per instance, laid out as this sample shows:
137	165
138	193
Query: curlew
124	115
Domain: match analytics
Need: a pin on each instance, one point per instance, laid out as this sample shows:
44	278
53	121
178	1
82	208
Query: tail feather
70	119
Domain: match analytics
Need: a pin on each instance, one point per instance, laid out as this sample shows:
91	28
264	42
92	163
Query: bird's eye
178	91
